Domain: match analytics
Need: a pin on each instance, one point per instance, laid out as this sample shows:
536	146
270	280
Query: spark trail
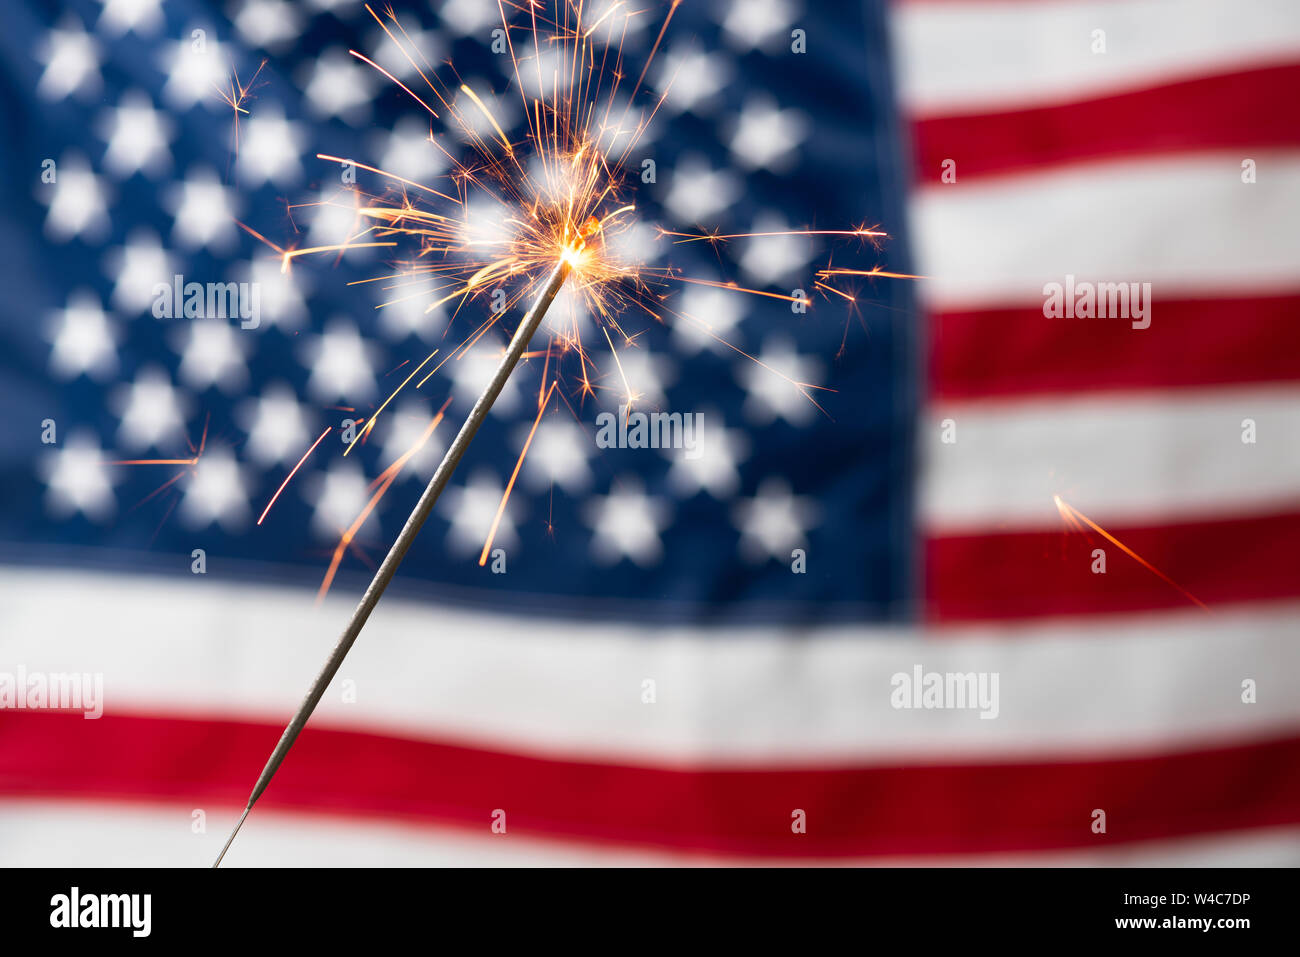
1074	517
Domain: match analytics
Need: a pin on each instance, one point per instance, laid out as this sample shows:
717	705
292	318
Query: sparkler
523	335
562	205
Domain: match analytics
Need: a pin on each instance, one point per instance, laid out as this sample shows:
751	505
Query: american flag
688	659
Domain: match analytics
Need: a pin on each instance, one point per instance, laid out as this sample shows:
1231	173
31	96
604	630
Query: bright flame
496	227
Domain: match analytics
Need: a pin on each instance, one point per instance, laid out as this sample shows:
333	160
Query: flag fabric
1056	476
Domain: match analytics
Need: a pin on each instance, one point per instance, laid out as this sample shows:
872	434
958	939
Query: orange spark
292	472
198	453
505	496
712	237
488	113
385	481
1073	516
827	273
289	254
191	461
187	467
627	388
237	95
370	424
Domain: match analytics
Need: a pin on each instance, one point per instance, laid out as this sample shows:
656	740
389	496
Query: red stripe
1246	111
938	809
994	576
1018	351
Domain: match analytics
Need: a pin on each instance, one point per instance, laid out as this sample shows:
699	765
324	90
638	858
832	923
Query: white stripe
1187	225
75	834
1146	458
968	57
189	646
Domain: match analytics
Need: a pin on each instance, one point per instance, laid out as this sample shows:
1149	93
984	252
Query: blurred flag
712	657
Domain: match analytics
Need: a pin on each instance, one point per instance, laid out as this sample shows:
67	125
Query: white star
78	202
334	220
697	192
425	48
711	467
282	303
339	8
203	211
543	73
773	522
644	374
339	85
84	341
337	497
471	371
637	244
215	492
775	258
706	315
406	151
215	353
609	21
194	74
766	137
137	137
558	455
402	428
269	148
471	510
693	79
486	222
136	269
758	24
570	316
141	17
614	131
341	364
771	393
626	524
267	23
70	56
77	480
553	181
151	411
402	306
279	429
465	17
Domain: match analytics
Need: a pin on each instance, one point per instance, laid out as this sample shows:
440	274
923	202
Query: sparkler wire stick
532	320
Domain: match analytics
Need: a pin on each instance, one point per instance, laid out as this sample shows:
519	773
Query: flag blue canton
147	186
